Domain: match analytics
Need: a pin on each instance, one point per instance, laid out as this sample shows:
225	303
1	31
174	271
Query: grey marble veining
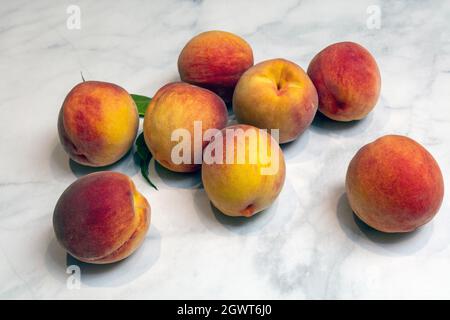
308	244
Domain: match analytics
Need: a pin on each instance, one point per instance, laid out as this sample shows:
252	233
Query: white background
308	244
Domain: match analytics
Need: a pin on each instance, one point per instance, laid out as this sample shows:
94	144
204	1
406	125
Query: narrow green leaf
141	147
142	103
144	158
144	171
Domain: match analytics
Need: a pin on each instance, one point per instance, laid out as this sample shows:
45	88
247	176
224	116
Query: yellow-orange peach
347	80
394	184
247	186
276	94
101	218
97	123
177	106
215	60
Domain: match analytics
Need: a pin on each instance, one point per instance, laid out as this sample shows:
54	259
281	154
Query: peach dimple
244	188
276	94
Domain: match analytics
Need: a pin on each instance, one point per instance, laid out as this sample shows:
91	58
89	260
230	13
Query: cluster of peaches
393	184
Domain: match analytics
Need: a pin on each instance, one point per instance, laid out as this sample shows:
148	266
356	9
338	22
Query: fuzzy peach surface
240	189
347	80
215	60
97	123
394	184
276	94
177	106
101	218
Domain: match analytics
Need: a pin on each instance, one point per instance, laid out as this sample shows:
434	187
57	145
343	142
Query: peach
347	80
394	184
101	218
246	187
97	123
276	94
177	106
215	60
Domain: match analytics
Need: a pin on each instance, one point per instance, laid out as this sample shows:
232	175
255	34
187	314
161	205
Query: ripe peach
347	80
97	123
101	218
177	106
276	94
243	188
394	185
215	60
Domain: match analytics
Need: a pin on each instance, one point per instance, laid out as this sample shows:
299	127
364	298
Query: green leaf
144	158
144	171
141	147
142	103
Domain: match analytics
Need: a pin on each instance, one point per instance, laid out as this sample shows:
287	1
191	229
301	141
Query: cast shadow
179	180
243	225
229	106
391	244
106	275
125	165
59	163
323	124
273	218
222	224
294	148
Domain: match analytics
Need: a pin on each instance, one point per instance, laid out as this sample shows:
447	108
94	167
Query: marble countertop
308	244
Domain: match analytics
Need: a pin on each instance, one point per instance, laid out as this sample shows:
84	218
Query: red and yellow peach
250	186
215	60
394	184
97	123
347	80
177	106
276	94
101	218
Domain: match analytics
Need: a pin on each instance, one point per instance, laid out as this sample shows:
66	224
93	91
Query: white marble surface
308	245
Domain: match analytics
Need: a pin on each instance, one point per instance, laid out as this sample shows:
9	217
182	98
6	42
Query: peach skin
101	218
394	184
276	94
243	188
97	123
347	80
177	106
215	60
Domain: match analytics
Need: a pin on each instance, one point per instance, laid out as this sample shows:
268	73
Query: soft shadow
243	225
125	165
55	259
294	148
177	179
58	161
272	218
107	275
322	124
400	244
229	106
231	119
